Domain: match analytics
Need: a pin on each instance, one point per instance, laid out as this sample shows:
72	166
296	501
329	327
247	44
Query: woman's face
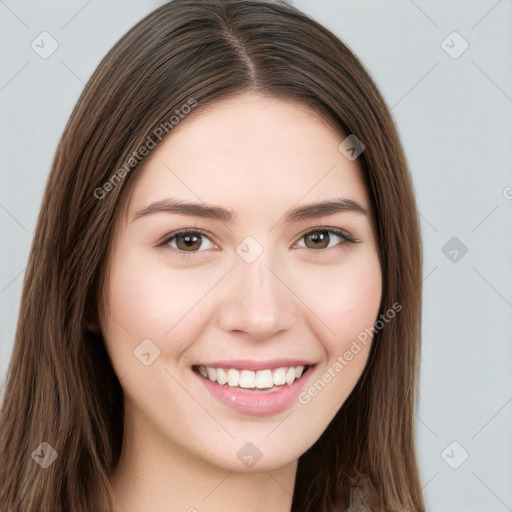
266	291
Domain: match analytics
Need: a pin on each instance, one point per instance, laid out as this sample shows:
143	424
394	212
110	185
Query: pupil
189	241
319	238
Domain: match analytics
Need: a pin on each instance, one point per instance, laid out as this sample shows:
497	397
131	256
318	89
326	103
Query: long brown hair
61	387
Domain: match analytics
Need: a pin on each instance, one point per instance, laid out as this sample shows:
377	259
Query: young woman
222	305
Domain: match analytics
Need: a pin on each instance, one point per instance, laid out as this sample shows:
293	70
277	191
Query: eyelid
337	231
195	231
168	237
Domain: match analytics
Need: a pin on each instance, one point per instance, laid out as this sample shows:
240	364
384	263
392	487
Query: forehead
249	153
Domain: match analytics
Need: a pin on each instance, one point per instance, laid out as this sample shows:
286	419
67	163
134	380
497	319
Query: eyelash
191	254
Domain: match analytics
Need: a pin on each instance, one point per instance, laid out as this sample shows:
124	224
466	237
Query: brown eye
324	239
317	239
189	241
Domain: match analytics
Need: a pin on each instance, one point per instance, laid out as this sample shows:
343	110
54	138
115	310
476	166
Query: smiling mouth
265	380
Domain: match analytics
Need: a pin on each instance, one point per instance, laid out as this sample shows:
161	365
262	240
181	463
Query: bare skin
304	297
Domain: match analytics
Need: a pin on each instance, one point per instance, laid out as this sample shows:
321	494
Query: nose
256	301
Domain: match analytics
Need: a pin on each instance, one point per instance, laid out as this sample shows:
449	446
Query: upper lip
248	364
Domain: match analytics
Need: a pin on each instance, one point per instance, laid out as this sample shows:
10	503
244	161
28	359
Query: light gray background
454	116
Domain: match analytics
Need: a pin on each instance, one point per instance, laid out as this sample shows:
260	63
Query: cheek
347	300
349	306
354	305
153	300
138	299
345	297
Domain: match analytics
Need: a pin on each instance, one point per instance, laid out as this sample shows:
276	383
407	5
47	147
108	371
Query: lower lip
254	403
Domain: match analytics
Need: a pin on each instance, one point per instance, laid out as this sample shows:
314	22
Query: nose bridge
256	301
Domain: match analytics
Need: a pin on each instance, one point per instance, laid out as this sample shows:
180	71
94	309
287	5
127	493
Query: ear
92	324
93	327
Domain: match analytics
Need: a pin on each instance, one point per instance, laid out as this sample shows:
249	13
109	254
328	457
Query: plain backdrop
444	68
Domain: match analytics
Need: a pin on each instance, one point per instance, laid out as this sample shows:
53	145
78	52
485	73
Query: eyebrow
193	209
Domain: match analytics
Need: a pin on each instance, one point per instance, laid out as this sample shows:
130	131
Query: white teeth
212	374
279	376
298	371
222	377
264	379
248	379
233	377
